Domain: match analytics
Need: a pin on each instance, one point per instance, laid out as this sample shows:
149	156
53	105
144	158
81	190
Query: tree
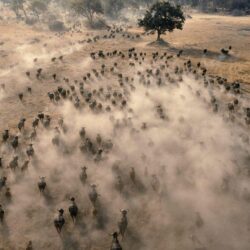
38	7
240	4
87	8
17	6
162	17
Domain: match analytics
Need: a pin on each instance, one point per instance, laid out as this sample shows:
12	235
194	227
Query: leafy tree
240	4
87	8
162	17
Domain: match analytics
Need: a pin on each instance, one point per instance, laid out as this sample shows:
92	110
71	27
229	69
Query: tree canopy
87	8
38	7
17	6
162	17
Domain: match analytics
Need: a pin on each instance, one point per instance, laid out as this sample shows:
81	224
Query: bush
238	12
99	23
30	21
56	26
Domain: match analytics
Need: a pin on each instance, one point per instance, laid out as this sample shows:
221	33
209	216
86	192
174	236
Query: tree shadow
159	42
196	52
199	53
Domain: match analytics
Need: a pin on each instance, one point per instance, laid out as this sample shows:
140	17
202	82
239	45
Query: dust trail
2	93
191	190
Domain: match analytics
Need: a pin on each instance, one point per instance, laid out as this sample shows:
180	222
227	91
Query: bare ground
20	45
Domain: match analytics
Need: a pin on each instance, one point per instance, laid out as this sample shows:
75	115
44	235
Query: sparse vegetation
38	7
88	9
111	141
218	5
18	7
113	7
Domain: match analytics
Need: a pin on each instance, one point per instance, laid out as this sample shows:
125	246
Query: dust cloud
191	189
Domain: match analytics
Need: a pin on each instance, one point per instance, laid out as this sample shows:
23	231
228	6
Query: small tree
38	7
87	8
162	17
17	6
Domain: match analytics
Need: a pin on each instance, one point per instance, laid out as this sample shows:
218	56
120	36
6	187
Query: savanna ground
201	150
21	44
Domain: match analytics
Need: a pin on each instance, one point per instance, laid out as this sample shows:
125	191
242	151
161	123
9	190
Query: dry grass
214	33
21	44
